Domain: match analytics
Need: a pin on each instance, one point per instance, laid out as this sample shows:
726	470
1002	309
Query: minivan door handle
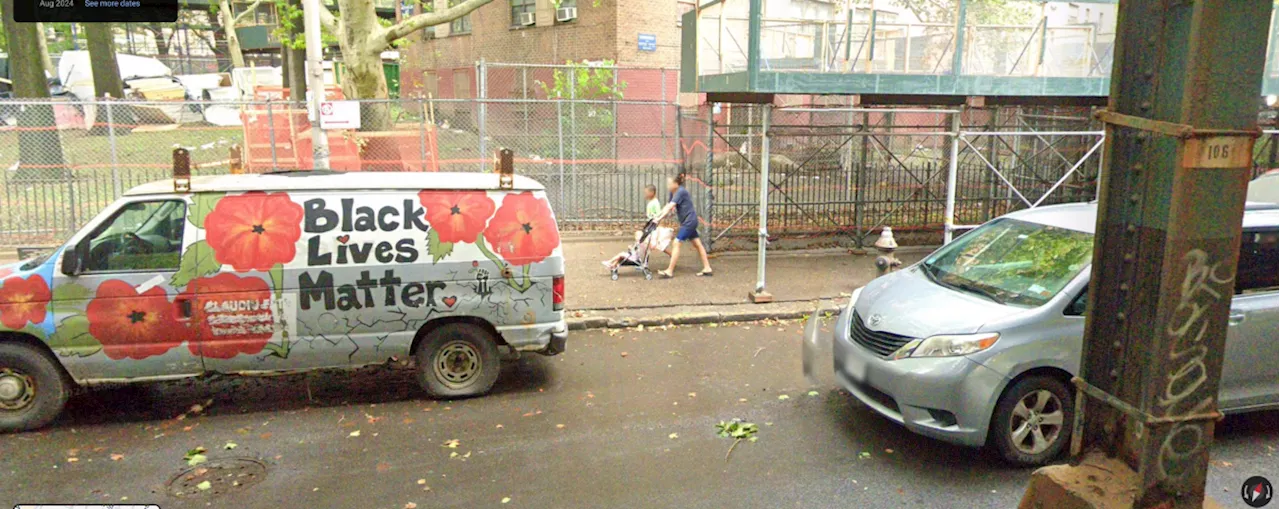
1235	317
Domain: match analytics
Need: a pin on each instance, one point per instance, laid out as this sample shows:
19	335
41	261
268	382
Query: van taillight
557	293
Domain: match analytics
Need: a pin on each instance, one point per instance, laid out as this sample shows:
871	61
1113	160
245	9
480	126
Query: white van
285	272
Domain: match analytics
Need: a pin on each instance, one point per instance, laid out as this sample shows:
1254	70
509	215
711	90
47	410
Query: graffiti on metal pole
1203	286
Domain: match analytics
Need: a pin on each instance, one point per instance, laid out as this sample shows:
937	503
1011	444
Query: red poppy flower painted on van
254	231
23	300
457	216
133	325
523	231
232	314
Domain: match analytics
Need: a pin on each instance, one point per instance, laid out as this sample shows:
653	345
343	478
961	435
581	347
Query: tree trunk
45	60
39	145
362	78
228	20
102	60
296	68
162	42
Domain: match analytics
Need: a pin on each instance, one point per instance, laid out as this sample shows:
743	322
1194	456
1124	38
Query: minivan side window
1078	305
1259	267
141	236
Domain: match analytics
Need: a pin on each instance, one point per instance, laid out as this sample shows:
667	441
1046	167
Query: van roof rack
302	173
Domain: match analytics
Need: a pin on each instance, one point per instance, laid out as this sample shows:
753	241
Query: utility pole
1180	124
315	81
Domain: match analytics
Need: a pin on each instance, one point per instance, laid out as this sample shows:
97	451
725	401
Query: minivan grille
882	343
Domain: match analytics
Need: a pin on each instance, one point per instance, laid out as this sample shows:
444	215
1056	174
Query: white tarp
74	69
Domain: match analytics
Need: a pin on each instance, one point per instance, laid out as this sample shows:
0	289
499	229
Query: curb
655	317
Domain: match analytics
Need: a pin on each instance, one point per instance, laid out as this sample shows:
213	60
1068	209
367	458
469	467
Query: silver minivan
976	343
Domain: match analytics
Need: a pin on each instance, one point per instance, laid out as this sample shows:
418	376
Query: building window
461	25
519	8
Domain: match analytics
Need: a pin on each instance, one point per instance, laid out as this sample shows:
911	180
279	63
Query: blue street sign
647	42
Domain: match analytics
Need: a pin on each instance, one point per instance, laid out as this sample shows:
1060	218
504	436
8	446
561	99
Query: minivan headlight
947	345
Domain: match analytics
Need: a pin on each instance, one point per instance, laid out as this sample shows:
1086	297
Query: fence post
614	99
573	125
560	149
116	184
482	84
949	216
709	174
422	133
271	131
662	132
760	295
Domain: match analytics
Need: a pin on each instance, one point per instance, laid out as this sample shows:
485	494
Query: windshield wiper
982	291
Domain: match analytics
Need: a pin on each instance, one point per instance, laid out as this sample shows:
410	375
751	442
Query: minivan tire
1035	403
38	381
457	360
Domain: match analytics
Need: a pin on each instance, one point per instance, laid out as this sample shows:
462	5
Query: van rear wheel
457	360
32	388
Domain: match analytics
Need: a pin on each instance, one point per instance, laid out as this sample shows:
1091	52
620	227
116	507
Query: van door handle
184	307
1235	317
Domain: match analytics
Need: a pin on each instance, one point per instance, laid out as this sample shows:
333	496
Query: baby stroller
638	253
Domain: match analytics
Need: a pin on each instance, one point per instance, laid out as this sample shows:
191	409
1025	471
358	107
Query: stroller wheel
613	275
647	274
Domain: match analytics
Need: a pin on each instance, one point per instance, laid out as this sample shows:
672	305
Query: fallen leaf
230	446
888	451
422	482
693	394
204	485
559	426
411	505
355	433
72	459
864	455
506	499
673	436
813	393
624	354
742	400
117	457
453	454
498	426
382	466
196	459
783	396
452	444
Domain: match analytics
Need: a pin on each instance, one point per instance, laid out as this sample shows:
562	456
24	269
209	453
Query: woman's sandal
665	274
706	273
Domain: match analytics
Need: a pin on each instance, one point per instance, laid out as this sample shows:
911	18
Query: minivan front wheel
1032	421
32	388
457	360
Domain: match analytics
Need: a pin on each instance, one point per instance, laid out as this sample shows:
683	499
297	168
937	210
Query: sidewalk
797	280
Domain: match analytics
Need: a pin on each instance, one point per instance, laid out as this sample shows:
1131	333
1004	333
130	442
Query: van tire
457	360
1058	407
42	386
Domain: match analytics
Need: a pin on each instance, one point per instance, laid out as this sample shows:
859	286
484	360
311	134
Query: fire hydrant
886	262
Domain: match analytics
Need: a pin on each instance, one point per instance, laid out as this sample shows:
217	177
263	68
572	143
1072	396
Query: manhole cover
222	475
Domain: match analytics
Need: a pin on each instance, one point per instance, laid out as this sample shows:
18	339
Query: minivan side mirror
72	261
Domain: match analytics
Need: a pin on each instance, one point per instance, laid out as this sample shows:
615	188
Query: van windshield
1011	261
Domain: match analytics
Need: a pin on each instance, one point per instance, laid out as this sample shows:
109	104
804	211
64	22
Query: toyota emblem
875	320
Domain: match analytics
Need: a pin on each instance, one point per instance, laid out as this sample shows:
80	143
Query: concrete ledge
1098	482
694	315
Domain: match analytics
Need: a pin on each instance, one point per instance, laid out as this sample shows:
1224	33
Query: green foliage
582	81
736	429
289	21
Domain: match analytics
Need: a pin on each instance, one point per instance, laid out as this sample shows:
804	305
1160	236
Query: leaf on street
864	455
506	499
813	394
783	396
355	433
204	485
230	446
452	444
117	457
411	505
197	459
673	436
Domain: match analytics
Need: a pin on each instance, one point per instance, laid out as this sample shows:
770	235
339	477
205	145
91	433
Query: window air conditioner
528	19
566	14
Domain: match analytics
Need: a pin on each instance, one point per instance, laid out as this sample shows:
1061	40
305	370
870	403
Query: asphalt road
623	419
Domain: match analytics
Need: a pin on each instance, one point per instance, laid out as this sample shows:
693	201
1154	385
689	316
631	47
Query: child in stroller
648	239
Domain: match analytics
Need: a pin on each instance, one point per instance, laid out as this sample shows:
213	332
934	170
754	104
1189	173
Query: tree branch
236	19
426	19
327	20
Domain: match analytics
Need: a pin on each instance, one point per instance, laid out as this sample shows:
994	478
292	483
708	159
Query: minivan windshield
1011	261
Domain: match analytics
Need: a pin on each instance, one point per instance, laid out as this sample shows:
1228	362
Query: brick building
640	36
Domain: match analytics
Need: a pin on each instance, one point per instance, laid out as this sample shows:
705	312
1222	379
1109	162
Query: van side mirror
71	261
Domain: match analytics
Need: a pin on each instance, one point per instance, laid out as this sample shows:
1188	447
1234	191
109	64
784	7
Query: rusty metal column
1180	128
